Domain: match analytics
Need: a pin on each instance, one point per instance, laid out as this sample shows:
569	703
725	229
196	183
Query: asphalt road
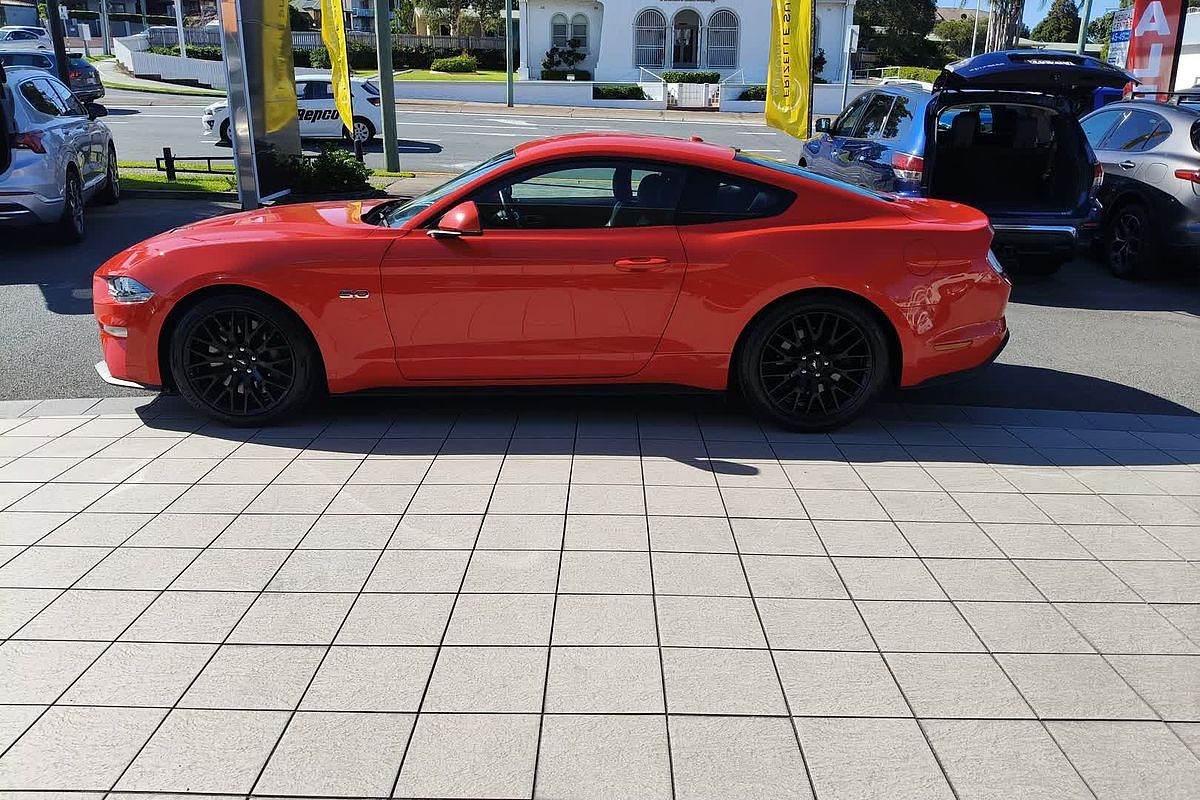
1081	339
429	141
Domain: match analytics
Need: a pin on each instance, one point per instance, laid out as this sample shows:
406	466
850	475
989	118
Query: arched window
723	39
558	31
579	30
650	39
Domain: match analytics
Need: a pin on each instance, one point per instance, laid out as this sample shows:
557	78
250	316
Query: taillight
75	74
907	166
1192	175
29	141
373	101
1097	177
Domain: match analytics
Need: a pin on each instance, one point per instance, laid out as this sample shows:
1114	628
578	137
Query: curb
176	194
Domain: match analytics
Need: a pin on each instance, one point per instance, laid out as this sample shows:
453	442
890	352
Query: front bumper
106	375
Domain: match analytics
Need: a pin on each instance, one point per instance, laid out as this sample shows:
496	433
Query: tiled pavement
939	602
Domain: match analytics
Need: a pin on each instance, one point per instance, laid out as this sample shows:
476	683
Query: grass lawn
129	87
430	75
101	57
185	183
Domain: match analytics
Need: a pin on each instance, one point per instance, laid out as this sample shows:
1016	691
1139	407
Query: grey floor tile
87	614
768	503
254	677
888	579
807	475
337	754
236	570
416	570
691	534
292	618
609	470
605	573
1078	509
787	537
436	532
876	759
1076	581
1189	732
270	531
91	530
370	679
1184	540
1134	628
528	498
948	540
325	571
822	684
498	571
14	720
604	620
1073	687
316	471
181	530
843	538
70	497
813	624
1121	543
1024	628
38	672
411	619
703	681
501	619
27	527
747	758
391	471
50	567
606	532
139	674
902	626
1129	759
606	499
841	504
139	568
708	622
77	748
1170	684
1184	616
1160	581
967	685
205	751
793	576
996	507
699	574
935	506
215	499
190	617
1028	540
240	471
604	680
456	499
18	606
522	532
470	756
535	469
982	579
1002	759
350	532
504	680
1154	509
603	757
363	499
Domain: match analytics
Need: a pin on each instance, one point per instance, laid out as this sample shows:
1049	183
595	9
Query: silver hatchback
1151	192
54	155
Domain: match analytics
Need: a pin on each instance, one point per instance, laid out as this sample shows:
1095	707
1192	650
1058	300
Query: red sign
1154	44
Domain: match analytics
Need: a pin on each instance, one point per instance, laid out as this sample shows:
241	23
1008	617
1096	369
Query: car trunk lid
1049	72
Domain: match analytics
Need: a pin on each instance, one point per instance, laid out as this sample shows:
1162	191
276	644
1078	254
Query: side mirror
462	220
823	125
95	111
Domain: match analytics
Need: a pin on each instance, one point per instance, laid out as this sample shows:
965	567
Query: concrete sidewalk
459	602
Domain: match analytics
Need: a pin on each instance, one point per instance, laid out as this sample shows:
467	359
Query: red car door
575	275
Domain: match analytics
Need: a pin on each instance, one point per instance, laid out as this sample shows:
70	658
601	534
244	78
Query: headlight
995	262
124	289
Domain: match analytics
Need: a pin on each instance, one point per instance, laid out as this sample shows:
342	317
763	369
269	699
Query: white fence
167	36
131	53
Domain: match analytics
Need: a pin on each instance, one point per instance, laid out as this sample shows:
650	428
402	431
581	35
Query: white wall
130	52
1189	59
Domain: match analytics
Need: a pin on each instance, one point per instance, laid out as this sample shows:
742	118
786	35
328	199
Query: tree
1060	25
298	20
895	30
1006	24
404	20
442	12
956	35
1099	29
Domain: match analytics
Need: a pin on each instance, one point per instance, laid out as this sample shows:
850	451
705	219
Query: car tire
1040	265
110	193
224	133
71	225
1129	245
243	359
798	358
367	133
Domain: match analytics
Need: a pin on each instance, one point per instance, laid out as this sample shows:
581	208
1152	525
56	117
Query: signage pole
508	48
56	13
387	88
1083	23
179	28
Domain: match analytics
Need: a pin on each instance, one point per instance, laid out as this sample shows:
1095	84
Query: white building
620	38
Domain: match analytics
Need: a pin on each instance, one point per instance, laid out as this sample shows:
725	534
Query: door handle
1127	165
650	264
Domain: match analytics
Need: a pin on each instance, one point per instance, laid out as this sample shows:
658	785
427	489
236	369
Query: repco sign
1154	44
317	114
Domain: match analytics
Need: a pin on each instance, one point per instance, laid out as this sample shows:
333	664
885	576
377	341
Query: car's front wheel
110	194
813	363
71	223
243	359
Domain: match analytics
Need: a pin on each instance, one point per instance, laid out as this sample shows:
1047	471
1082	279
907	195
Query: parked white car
21	37
317	112
54	155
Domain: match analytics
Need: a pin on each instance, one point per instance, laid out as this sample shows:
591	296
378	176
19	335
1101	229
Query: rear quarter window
718	197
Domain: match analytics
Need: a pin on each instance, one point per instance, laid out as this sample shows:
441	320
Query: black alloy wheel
242	360
72	224
110	194
1130	242
814	364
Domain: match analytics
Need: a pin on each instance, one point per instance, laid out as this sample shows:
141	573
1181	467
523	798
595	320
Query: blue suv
999	132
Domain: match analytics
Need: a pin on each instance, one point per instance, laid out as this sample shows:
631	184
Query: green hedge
926	74
201	51
83	15
561	74
150	20
461	63
620	91
678	76
753	93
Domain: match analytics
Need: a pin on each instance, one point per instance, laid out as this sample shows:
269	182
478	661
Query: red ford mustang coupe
594	258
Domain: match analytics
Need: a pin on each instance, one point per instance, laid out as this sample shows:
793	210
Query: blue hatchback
999	132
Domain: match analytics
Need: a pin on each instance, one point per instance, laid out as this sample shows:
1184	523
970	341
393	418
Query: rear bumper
1048	240
29	209
966	373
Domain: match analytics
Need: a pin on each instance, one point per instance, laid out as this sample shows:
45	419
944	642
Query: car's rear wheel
71	224
110	195
813	363
225	132
1129	246
363	131
243	359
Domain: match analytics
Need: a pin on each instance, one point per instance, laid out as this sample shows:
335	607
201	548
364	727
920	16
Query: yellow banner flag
789	69
334	36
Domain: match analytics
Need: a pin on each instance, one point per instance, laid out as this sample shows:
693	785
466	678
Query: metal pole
179	28
975	29
845	55
508	48
1083	23
57	36
145	22
387	89
105	30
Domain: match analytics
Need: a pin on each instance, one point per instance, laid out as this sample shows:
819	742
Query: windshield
790	169
395	214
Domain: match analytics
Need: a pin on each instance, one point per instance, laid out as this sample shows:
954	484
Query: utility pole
1083	24
975	29
508	48
58	38
179	28
105	30
387	89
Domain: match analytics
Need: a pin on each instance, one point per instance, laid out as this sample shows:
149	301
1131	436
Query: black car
85	80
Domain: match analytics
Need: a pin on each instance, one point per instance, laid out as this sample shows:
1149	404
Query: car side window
900	121
73	107
21	36
874	118
1161	133
847	121
582	194
1095	127
319	90
1134	132
42	98
717	197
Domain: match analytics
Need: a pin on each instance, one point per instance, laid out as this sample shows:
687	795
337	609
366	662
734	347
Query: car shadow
1086	284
